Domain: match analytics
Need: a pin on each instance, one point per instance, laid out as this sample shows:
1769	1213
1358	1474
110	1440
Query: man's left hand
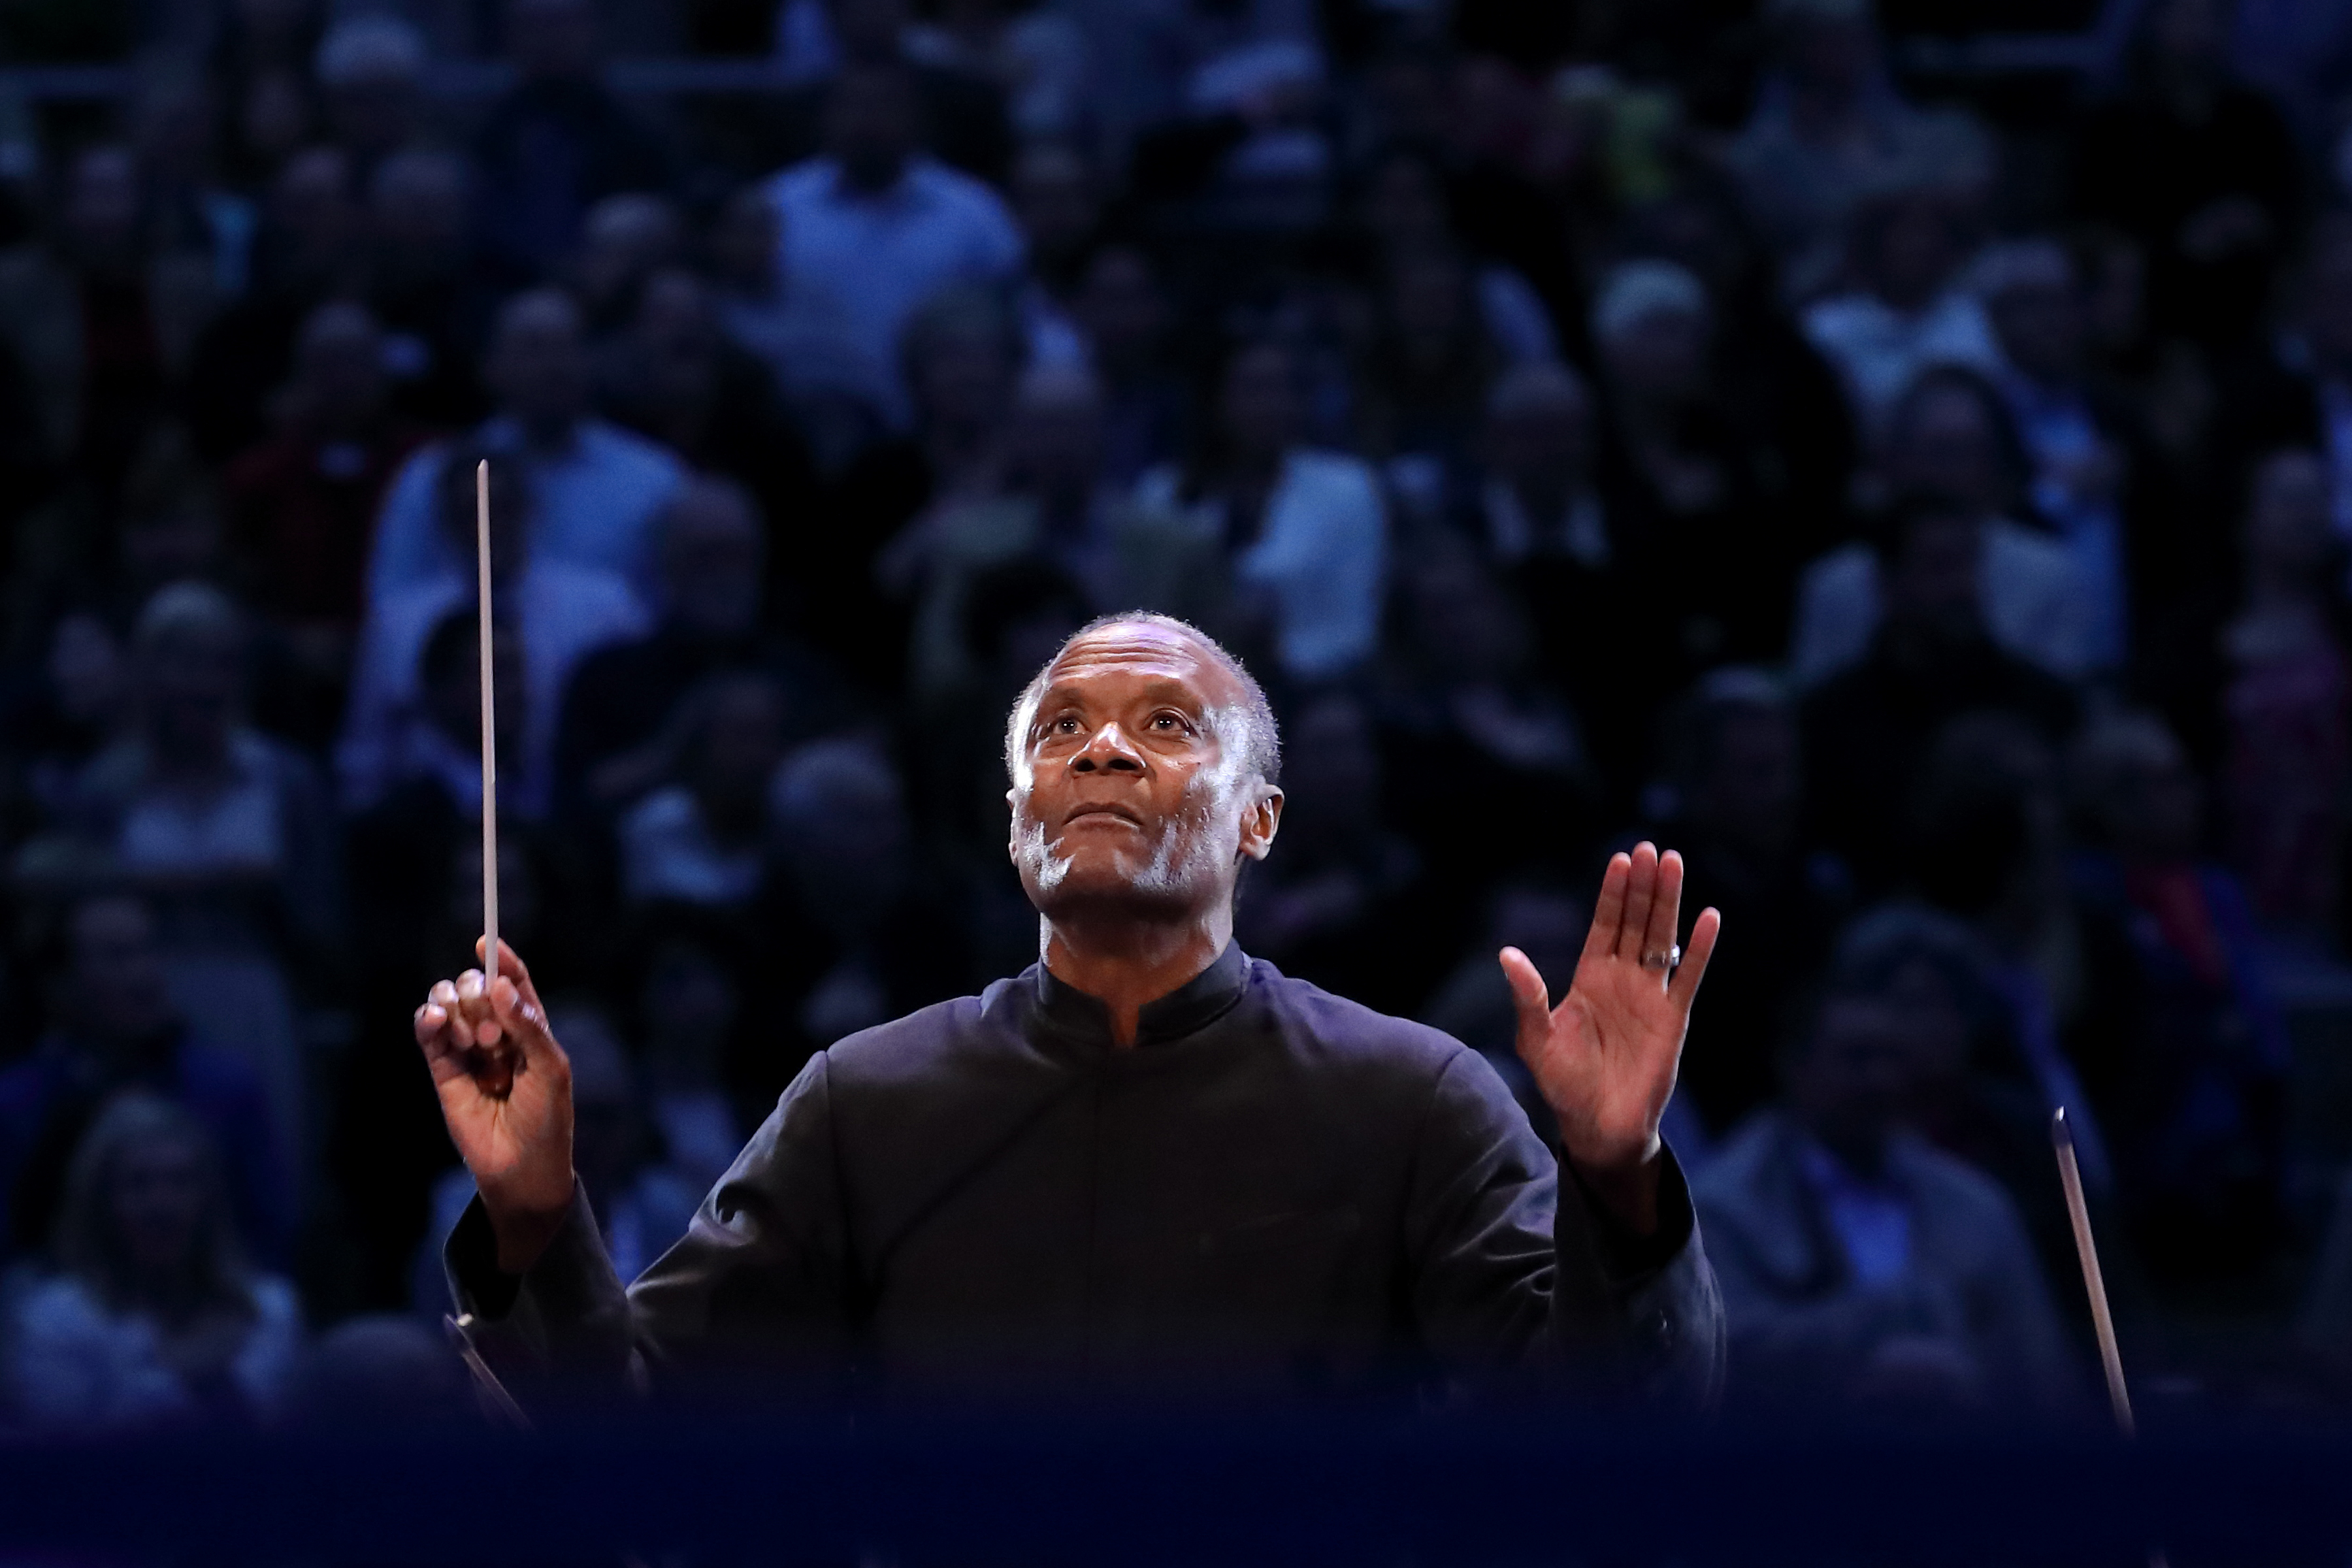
1605	1058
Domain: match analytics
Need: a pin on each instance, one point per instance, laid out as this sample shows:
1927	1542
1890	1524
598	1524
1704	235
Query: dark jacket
1275	1192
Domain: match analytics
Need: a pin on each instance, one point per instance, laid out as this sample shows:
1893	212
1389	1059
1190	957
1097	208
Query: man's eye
1174	721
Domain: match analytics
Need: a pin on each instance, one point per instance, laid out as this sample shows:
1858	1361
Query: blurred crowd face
871	124
1660	357
101	209
313	216
1907	248
1946	443
1467	630
1054	197
192	679
2041	324
1131	791
2143	791
712	559
1404	205
1260	411
2290	525
86	680
1752	788
1123	312
553	39
736	754
961	374
538	366
339	386
747	240
417	214
690	1003
1428	302
843	836
1848	1085
1539	435
622	240
116	993
161	1205
1929	589
1054	441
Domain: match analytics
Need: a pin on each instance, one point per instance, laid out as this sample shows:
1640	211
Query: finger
1666	907
1641	892
525	1024
1530	996
511	966
443	997
1609	908
1704	931
474	1005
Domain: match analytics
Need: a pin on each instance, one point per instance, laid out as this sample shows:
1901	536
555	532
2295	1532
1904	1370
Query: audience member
112	1027
1860	1266
152	1316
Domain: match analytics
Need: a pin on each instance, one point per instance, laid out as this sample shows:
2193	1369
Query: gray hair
1257	737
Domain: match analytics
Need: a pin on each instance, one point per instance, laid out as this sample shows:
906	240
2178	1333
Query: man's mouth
1120	813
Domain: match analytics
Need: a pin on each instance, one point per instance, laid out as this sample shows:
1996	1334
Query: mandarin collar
1193	1006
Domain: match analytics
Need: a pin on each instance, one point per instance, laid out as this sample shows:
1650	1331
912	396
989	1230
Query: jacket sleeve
760	1279
1507	1254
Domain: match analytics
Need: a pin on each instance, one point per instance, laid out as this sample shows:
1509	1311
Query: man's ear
1260	822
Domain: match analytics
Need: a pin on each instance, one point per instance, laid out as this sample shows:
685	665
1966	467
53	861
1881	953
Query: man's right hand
505	1093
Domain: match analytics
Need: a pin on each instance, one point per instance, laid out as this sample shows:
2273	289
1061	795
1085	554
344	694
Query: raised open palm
505	1093
1605	1058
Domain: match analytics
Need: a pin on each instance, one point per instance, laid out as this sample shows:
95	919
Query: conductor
1148	1162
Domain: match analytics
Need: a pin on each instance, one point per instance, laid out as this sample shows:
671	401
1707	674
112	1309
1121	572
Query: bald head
1248	726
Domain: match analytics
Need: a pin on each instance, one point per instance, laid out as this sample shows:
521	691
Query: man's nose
1109	748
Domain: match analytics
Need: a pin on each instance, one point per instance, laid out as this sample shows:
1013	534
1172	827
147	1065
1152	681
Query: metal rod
489	732
2110	1360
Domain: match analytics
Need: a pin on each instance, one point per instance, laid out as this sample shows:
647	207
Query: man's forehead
1139	649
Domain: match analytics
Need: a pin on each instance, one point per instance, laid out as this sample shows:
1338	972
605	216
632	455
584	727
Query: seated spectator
152	1316
1861	1269
1402	209
1055	196
113	1027
689	1014
674	376
1906	313
597	490
1542	520
2197	164
624	241
1431	360
555	142
616	739
960	113
962	351
1949	439
2194	1095
699	840
308	252
873	228
1868	727
1469	728
231	833
641	1204
1689	482
2287	658
555	612
423	289
1731	798
1829	127
1305	531
1121	310
73	705
859	935
371	72
103	327
300	508
1035	57
2090	477
1334	909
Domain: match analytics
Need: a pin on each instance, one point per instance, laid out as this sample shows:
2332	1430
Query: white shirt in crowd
855	266
562	612
76	1365
2035	605
1878	351
667	852
596	505
1321	556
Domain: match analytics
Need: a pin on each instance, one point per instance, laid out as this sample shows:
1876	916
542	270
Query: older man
1147	1160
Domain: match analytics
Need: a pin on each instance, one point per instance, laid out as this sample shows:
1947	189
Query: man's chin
1098	878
